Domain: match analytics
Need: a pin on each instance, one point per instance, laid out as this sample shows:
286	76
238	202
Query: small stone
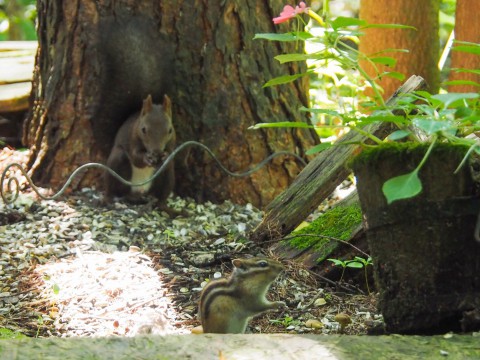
219	241
203	259
320	302
241	227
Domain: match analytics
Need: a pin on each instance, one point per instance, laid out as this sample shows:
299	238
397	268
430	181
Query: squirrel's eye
144	130
263	263
170	130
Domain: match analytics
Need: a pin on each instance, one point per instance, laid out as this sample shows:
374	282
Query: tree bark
422	44
98	59
467	28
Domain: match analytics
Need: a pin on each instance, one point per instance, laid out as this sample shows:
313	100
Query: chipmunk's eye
170	130
144	130
262	263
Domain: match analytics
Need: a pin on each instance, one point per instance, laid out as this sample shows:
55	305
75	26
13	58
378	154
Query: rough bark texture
422	44
98	59
467	28
319	178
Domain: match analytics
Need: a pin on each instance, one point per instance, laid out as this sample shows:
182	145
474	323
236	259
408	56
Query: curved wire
14	181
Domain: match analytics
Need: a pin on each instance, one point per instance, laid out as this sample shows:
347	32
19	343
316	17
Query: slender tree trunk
467	28
98	59
422	44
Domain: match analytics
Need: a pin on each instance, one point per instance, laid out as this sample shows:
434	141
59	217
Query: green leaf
341	22
450	98
318	148
368	104
291	36
384	60
461	82
362	260
321	111
390	50
56	289
354	264
285	79
295	57
388	26
402	187
395	75
397	135
432	126
468	49
337	262
462	70
282	124
397	119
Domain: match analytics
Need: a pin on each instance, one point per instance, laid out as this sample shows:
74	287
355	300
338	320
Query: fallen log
321	176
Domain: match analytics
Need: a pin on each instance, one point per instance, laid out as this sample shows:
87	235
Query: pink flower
289	12
301	8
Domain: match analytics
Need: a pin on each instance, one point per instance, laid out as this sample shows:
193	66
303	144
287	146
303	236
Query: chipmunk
226	305
141	145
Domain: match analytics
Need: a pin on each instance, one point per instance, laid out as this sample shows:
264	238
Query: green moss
9	334
372	154
338	223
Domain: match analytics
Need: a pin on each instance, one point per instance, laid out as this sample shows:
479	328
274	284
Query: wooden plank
14	97
18	45
14	70
319	178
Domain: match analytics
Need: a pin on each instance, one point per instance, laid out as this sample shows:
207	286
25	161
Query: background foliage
17	20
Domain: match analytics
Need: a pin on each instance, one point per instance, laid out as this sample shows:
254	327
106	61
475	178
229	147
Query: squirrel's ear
147	105
167	105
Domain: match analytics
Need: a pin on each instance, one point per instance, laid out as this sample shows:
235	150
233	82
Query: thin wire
13	181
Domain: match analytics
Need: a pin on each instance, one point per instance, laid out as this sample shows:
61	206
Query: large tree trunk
422	44
97	60
467	28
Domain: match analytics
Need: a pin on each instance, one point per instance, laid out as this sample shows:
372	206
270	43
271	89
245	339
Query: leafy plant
357	263
286	321
429	118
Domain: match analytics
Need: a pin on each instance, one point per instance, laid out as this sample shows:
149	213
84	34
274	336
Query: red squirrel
141	146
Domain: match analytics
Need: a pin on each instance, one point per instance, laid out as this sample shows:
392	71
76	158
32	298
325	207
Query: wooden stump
426	260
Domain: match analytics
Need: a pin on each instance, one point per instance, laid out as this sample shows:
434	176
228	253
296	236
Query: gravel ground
73	268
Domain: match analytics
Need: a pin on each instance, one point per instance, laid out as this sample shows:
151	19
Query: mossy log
320	177
262	346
